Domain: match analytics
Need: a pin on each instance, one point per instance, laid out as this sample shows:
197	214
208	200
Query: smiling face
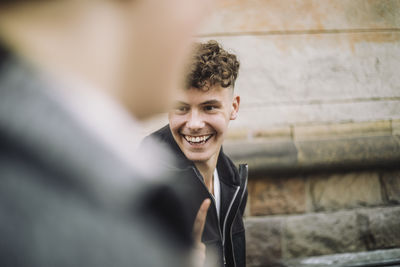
199	121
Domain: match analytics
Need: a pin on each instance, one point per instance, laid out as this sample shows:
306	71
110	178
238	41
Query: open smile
197	140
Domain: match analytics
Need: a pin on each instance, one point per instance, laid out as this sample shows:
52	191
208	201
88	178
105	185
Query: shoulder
227	160
227	169
236	175
161	135
161	138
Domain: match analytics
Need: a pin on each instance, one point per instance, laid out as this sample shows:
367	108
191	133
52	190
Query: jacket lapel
227	194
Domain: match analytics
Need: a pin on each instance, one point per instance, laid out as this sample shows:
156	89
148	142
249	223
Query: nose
195	121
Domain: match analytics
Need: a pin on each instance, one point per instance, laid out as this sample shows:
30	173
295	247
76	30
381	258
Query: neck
207	168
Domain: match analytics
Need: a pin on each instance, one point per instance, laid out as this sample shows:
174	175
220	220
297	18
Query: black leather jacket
225	236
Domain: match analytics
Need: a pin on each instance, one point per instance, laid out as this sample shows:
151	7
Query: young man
197	127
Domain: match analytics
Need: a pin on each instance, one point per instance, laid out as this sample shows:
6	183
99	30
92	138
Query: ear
235	107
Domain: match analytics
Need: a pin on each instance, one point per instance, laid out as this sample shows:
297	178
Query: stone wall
323	189
346	213
319	124
308	61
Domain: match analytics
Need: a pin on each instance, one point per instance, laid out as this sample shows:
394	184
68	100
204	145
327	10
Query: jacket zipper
222	234
225	219
241	199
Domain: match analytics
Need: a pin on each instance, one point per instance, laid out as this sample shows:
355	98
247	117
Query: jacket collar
226	169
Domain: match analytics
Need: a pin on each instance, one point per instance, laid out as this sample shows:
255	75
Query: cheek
219	123
175	122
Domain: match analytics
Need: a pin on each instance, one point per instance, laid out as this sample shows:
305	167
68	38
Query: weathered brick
383	227
256	112
367	258
396	127
350	152
341	191
237	134
316	78
263	240
263	155
286	15
378	128
273	132
321	234
391	186
277	196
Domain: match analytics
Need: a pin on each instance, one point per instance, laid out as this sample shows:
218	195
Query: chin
197	158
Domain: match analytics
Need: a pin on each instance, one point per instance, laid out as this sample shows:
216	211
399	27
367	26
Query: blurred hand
198	227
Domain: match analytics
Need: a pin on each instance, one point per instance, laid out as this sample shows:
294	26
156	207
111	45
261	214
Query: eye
181	109
209	108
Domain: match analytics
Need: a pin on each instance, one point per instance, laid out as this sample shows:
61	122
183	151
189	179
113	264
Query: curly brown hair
211	65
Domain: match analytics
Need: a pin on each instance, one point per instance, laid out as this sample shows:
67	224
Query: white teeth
197	139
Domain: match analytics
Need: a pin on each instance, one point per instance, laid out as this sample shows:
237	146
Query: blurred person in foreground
73	75
197	127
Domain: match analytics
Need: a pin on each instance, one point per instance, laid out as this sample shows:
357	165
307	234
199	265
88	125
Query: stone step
333	153
389	257
272	239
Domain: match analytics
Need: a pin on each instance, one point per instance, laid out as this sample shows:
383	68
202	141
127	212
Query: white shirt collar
217	192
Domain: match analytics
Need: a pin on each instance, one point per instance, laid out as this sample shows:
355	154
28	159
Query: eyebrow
180	103
208	102
211	102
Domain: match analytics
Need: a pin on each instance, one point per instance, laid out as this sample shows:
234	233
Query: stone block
237	134
235	16
263	155
383	228
356	152
263	241
266	115
342	191
315	70
387	257
335	154
396	127
391	186
321	234
312	78
273	132
342	130
277	196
